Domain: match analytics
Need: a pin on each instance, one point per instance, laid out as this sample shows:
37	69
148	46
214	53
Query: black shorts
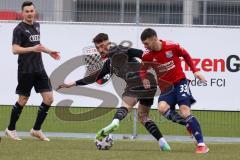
146	100
38	80
135	89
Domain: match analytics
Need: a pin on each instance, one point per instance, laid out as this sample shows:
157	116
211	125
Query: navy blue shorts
179	94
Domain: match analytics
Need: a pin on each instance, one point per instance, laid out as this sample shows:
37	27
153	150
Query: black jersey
26	35
122	62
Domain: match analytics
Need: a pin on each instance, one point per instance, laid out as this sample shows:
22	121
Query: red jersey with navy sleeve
167	63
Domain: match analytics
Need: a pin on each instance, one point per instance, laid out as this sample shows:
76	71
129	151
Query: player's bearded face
28	13
103	48
150	44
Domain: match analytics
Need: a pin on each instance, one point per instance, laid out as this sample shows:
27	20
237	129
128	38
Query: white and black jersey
26	35
124	63
121	61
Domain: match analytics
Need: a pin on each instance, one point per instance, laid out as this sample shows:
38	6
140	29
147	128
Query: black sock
153	129
121	113
42	114
15	114
172	115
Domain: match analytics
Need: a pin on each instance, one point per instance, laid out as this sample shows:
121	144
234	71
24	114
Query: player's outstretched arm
95	76
81	82
54	54
144	68
17	49
199	76
67	85
189	61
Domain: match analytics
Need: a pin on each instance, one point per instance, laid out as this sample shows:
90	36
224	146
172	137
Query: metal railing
180	12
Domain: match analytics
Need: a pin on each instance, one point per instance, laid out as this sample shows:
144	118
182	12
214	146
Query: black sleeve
132	52
17	38
96	75
38	30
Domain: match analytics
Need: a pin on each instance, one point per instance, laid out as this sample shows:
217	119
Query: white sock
201	144
115	121
162	141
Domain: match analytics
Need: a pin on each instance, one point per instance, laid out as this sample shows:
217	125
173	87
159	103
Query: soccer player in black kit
31	73
122	61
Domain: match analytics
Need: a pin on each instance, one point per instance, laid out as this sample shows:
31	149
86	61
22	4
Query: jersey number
184	88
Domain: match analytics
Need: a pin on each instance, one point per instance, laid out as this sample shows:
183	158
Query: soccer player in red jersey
122	61
164	58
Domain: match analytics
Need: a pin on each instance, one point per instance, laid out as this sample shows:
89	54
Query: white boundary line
129	136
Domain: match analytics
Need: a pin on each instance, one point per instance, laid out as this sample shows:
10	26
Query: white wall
202	43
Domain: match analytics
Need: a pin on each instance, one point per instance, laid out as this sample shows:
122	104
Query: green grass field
216	124
222	124
84	149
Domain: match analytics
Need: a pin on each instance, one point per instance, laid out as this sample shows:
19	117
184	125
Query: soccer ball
105	144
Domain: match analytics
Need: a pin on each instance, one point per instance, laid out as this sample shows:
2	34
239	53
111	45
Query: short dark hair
27	3
100	38
148	33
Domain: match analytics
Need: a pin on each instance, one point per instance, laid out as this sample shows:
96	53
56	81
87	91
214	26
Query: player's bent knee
128	106
48	100
143	118
22	100
185	111
163	107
